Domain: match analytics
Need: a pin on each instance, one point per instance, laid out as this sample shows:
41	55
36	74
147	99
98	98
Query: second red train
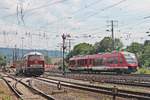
119	62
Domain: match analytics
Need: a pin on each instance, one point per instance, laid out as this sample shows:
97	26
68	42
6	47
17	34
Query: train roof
99	55
33	53
85	56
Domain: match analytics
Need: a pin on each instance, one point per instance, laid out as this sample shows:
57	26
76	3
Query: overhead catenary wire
96	13
103	9
75	12
36	8
107	8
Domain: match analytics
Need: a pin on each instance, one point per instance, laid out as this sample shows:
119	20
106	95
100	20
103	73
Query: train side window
121	60
98	62
82	62
110	60
115	60
85	61
78	63
90	61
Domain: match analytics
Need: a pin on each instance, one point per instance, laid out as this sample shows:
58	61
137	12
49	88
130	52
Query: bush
143	71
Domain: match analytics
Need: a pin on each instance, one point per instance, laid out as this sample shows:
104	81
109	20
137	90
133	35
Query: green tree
135	48
81	49
105	45
48	60
2	60
142	52
145	57
147	42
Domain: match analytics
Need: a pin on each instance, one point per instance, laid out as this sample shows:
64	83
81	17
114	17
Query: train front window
130	58
35	57
72	62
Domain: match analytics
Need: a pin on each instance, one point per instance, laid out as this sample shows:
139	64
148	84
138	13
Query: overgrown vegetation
142	52
2	60
143	71
48	60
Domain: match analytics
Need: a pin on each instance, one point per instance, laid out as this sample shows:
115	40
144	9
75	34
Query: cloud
67	16
139	5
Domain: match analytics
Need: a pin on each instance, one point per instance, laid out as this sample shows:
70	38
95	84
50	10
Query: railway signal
64	37
63	48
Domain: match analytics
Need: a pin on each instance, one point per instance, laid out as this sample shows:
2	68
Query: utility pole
22	45
69	40
112	32
69	43
15	54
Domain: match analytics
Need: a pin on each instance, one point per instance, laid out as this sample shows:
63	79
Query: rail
130	80
16	92
98	89
48	97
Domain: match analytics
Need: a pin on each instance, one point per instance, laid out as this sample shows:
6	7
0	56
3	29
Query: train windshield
36	57
130	58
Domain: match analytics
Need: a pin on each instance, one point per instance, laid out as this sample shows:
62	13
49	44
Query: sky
39	24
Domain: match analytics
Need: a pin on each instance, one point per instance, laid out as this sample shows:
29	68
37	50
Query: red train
119	62
31	64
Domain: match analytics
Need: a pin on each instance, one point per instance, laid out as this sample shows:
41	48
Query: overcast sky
40	23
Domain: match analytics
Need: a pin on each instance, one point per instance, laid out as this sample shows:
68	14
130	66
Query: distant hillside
9	52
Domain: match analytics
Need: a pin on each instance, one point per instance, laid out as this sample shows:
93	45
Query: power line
77	11
91	4
113	5
135	24
146	17
105	8
87	6
36	8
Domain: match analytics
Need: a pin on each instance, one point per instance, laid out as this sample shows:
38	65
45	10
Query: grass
6	97
143	71
5	92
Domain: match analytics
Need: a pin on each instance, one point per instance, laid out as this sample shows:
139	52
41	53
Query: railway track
130	80
25	91
93	88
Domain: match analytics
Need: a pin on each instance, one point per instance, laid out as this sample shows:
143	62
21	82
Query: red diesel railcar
120	62
31	64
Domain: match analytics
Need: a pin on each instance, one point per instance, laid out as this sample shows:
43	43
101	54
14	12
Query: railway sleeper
58	92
